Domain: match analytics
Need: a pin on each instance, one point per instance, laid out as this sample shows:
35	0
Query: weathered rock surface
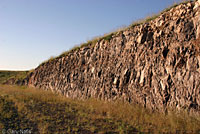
155	64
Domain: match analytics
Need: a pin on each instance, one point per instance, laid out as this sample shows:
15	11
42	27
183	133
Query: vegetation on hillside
12	75
39	111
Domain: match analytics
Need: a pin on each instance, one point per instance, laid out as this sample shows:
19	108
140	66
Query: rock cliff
155	64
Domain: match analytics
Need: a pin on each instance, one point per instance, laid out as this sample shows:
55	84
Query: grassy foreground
35	111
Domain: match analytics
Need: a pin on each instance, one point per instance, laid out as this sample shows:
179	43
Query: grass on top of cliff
38	111
108	36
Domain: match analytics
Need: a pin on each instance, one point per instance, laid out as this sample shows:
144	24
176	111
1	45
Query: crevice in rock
99	73
127	77
117	84
150	79
181	63
165	52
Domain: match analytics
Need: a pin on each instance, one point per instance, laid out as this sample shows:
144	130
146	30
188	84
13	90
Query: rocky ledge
155	64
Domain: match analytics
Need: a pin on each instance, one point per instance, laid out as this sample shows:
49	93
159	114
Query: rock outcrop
155	64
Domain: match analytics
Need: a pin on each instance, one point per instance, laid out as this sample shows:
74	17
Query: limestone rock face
155	64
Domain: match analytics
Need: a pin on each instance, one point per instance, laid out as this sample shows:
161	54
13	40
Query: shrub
108	37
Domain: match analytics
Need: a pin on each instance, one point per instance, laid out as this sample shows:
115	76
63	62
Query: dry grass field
37	111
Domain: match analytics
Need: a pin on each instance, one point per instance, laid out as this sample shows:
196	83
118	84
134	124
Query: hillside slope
155	64
12	77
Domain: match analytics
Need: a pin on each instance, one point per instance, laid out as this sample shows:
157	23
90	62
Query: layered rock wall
156	64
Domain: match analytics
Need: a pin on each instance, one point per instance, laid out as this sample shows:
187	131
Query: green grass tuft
108	37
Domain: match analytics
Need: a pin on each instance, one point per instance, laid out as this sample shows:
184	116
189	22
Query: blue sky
32	31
